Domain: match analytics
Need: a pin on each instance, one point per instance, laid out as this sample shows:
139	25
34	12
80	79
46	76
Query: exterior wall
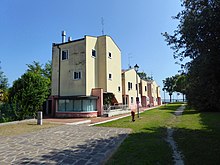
154	92
91	64
76	62
144	93
130	76
113	66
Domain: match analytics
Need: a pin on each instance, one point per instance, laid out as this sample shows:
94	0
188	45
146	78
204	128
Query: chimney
69	39
63	36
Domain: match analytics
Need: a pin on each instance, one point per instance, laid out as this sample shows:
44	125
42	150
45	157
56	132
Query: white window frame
67	52
78	77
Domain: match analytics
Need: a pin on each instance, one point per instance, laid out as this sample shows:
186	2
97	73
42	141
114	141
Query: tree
180	84
169	84
28	94
3	80
144	76
3	86
45	71
198	37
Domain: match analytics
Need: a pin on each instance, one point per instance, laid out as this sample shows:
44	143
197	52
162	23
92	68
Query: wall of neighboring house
76	62
129	77
153	92
144	93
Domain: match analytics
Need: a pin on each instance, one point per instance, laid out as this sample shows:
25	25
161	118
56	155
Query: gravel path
177	156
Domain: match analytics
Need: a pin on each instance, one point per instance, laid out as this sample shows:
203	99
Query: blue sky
28	29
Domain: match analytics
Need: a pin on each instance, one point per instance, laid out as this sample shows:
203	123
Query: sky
28	29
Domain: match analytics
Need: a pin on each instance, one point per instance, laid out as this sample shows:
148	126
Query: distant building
130	85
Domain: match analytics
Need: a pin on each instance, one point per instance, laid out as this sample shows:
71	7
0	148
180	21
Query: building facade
82	70
131	88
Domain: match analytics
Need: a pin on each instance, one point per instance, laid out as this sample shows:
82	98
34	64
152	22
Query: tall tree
3	80
28	94
198	37
169	84
180	84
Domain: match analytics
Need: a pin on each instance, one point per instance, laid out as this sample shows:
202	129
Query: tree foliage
3	80
28	94
168	85
198	37
144	76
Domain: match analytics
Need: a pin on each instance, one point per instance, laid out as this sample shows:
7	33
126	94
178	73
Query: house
154	93
83	71
130	88
144	93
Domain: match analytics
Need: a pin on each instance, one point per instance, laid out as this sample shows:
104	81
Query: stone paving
76	145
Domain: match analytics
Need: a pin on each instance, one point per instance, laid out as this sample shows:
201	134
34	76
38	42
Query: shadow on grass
200	145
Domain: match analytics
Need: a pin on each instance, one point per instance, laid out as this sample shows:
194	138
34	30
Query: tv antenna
129	60
102	22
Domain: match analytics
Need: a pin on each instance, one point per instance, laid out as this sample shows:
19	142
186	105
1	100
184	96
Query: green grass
23	128
197	135
146	144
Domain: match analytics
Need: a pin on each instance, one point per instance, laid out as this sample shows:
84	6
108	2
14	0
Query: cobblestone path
62	145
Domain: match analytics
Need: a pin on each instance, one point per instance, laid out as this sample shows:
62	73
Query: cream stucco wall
113	67
130	76
75	62
95	70
143	86
91	64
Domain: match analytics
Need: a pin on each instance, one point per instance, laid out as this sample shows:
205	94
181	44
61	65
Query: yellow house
82	70
154	93
130	88
144	93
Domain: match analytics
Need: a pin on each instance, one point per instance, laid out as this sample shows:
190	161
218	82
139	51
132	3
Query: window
77	75
119	88
109	55
65	54
67	105
132	100
136	86
110	76
145	88
93	53
129	85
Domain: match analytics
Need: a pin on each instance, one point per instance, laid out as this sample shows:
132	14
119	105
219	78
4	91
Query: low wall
116	112
76	114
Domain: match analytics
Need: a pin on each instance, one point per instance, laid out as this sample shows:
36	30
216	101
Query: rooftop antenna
102	22
129	60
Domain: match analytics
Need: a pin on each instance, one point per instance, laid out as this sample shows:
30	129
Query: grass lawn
197	136
22	128
146	144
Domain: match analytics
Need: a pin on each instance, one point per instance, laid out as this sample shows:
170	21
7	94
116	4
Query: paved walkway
77	145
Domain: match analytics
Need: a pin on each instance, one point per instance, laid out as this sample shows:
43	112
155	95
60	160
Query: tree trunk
170	98
183	97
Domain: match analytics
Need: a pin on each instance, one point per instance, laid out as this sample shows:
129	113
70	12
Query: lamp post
137	98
